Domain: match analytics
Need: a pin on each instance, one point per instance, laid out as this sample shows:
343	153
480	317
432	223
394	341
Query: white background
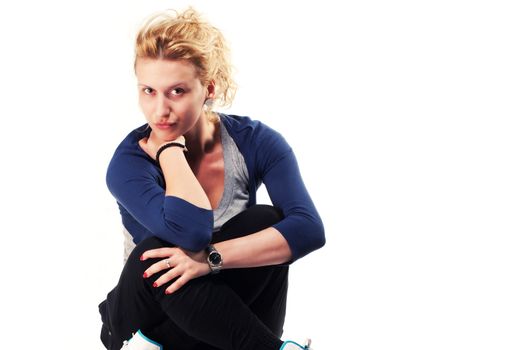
406	118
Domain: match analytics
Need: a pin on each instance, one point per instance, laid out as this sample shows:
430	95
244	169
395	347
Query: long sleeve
276	163
132	181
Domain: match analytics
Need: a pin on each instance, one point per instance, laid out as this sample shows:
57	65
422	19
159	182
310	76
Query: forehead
162	73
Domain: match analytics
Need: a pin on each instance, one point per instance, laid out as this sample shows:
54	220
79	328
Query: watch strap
214	259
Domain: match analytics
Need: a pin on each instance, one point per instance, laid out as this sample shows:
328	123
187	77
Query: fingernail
155	284
167	292
145	275
142	258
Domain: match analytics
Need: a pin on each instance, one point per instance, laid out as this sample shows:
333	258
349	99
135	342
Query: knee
150	243
147	244
266	214
253	219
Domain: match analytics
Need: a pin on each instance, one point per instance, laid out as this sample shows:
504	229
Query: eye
177	91
147	91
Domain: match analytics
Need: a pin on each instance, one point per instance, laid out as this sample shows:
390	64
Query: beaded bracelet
167	145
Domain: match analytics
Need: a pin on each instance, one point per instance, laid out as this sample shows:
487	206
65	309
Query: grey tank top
235	196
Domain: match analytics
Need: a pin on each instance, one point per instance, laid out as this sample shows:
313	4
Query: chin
166	134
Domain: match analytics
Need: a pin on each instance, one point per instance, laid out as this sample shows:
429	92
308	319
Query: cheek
142	104
190	108
147	107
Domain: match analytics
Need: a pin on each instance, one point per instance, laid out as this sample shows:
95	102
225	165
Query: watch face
215	258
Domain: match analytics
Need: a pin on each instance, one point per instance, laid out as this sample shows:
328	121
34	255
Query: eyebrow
169	87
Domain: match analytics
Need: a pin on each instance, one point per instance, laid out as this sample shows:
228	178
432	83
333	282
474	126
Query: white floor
406	118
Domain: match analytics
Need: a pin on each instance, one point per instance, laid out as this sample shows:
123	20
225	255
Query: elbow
198	240
318	236
192	235
315	239
190	239
306	239
190	227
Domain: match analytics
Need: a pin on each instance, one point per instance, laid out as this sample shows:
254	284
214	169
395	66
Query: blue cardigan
137	183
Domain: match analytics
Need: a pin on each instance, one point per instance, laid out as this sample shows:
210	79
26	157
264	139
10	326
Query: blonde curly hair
185	36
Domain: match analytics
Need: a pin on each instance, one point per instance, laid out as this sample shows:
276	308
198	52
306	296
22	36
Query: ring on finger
167	261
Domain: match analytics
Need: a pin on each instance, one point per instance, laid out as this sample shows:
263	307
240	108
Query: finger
175	286
157	253
168	276
158	266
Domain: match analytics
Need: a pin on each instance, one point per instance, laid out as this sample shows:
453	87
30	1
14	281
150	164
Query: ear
211	89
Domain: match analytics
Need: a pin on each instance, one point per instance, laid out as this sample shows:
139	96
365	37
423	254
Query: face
171	96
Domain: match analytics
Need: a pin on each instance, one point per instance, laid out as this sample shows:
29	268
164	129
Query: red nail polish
145	275
155	284
167	292
142	258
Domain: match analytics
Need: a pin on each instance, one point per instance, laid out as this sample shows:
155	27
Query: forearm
180	180
266	247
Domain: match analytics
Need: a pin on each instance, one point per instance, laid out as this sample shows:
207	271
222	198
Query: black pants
235	309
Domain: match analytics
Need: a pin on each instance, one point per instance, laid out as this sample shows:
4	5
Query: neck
202	138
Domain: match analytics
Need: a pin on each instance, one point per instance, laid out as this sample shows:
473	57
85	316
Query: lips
163	126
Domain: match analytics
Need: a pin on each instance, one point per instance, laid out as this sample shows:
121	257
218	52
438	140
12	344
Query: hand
182	264
151	144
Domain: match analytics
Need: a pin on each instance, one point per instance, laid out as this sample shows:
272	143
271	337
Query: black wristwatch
214	259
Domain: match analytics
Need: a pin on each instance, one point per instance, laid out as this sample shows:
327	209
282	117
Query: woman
210	267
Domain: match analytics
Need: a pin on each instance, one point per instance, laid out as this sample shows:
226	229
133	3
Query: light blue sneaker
140	342
291	345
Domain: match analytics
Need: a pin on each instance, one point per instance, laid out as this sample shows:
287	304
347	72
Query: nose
162	108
